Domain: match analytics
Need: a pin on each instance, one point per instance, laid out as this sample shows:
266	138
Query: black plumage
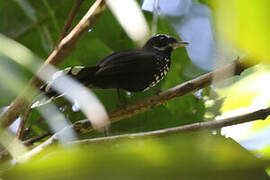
130	70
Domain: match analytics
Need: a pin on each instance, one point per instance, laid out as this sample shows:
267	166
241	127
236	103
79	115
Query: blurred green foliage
187	156
191	156
246	25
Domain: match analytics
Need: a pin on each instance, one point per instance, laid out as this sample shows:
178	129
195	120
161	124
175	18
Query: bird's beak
178	44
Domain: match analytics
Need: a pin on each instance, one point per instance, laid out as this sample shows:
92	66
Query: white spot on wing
76	69
48	87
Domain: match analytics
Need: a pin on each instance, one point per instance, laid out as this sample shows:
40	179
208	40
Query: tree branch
71	16
63	50
210	125
32	140
75	9
26	115
140	106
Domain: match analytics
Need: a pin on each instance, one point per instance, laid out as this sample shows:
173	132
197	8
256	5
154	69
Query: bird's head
164	43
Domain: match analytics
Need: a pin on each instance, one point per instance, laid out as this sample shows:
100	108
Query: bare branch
63	50
75	9
26	115
216	124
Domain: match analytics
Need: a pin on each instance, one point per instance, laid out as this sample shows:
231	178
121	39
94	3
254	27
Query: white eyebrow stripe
164	35
160	48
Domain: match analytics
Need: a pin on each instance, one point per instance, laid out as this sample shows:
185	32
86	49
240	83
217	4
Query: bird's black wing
126	62
131	70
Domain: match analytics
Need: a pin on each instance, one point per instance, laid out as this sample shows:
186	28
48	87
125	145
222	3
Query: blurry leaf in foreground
131	18
251	91
246	25
12	144
185	156
73	90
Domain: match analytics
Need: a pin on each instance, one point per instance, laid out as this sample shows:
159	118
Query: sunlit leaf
246	25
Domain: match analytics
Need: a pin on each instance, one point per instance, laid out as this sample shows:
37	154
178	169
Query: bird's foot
106	131
121	98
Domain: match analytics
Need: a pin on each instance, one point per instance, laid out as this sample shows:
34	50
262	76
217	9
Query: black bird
130	70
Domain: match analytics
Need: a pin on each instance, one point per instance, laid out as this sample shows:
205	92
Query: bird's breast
162	66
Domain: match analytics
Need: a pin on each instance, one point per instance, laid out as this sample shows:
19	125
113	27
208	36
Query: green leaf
185	156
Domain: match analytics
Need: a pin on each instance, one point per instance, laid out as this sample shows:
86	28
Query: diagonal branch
66	28
140	106
75	9
62	51
20	131
210	125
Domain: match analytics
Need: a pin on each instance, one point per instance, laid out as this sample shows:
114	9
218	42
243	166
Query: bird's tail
84	75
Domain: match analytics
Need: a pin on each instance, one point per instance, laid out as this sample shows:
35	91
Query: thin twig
30	141
183	89
210	125
73	12
19	134
64	49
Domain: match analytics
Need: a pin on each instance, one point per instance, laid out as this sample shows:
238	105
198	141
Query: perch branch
63	50
140	106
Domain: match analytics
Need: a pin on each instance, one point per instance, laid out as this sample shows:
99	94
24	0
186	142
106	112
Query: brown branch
30	141
74	10
63	50
210	125
252	116
183	89
26	115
